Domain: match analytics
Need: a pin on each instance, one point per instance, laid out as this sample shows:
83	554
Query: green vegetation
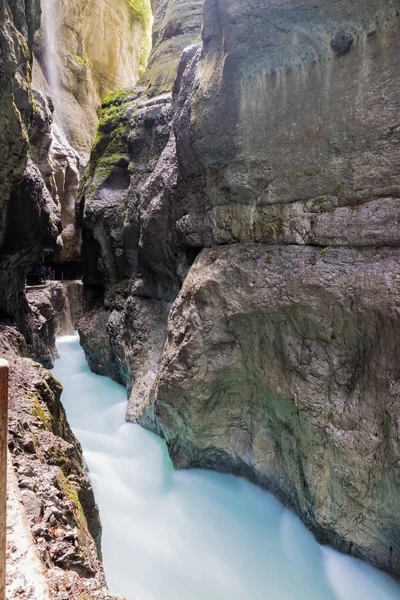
338	191
162	75
38	411
83	60
107	165
109	139
324	250
142	10
321	203
68	490
306	173
36	106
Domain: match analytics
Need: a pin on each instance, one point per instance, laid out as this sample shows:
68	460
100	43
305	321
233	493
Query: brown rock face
280	357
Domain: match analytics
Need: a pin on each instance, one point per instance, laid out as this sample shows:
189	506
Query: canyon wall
261	201
23	192
83	51
124	196
47	459
176	26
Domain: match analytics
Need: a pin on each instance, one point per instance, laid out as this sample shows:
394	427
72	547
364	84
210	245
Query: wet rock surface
83	52
60	166
176	25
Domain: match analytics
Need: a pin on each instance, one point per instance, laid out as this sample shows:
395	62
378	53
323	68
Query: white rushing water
193	535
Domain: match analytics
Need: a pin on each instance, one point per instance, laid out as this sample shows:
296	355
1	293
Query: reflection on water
193	535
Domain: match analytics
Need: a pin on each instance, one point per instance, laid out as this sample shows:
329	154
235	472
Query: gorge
193	534
231	198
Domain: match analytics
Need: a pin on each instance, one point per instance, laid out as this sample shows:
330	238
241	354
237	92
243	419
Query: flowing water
49	20
193	535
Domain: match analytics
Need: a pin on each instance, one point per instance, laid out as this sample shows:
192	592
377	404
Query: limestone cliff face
23	193
281	366
176	26
294	130
83	51
275	163
60	166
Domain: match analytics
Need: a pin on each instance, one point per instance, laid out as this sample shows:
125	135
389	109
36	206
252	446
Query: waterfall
49	27
66	326
72	307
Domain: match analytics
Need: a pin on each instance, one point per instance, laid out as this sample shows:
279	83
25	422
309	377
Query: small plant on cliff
83	60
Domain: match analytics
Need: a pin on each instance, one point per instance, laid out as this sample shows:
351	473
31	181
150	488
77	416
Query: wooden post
3	472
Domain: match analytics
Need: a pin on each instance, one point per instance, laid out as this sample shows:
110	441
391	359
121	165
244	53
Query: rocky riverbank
51	473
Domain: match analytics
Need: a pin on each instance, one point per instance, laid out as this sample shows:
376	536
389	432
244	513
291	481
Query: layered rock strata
279	360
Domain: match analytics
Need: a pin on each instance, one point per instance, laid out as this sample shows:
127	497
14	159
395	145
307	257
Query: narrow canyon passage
193	535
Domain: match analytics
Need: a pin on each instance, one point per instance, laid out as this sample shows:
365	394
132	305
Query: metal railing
33	280
3	472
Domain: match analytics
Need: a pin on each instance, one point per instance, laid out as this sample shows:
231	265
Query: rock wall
299	143
123	207
51	473
53	309
176	26
288	376
83	51
282	157
23	242
60	167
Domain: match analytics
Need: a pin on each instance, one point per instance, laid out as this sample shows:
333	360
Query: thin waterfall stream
49	22
193	535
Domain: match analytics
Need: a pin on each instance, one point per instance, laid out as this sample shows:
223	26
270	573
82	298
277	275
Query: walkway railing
33	280
3	472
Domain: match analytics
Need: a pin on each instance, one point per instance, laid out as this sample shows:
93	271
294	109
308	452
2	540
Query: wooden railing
3	472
